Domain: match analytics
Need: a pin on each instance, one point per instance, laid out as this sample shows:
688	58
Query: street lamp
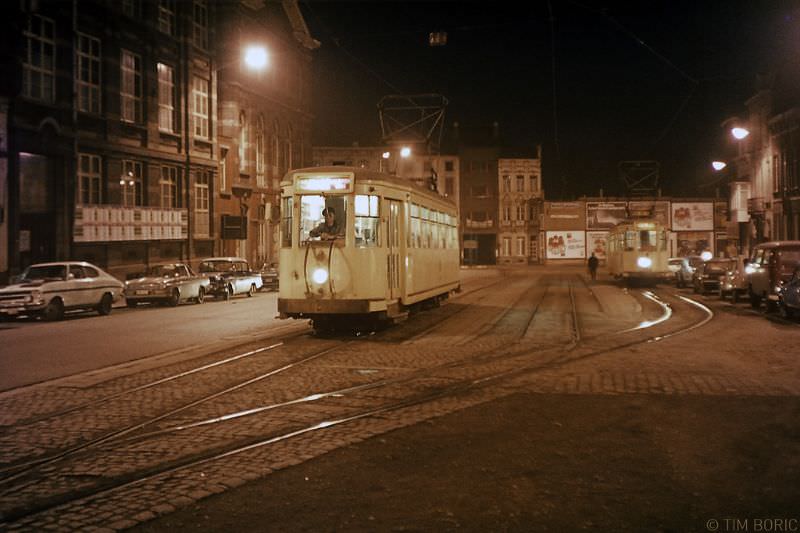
739	133
256	57
405	152
718	165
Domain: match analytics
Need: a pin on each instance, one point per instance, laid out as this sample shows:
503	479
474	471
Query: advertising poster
656	209
596	243
605	215
566	245
693	216
693	243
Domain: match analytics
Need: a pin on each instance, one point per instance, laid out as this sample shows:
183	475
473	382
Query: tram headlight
320	276
644	262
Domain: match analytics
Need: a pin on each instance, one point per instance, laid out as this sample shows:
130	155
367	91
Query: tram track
16	469
435	387
516	361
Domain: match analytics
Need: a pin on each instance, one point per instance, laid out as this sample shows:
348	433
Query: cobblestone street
544	402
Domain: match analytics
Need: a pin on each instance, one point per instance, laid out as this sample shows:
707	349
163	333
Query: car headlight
749	269
644	262
320	276
35	296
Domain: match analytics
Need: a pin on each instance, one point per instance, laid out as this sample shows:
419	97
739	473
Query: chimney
495	130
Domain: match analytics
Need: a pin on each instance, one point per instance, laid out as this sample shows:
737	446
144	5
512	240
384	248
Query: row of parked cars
770	276
50	289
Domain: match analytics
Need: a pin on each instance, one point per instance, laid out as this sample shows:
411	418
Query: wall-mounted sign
605	215
596	243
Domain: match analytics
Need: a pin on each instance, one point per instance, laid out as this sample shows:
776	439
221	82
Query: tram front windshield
314	225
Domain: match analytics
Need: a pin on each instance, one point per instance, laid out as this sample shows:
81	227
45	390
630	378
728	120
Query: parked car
734	282
683	276
169	284
269	276
50	289
770	264
230	276
789	295
708	275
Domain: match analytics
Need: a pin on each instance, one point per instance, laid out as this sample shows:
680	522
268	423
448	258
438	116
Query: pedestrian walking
593	262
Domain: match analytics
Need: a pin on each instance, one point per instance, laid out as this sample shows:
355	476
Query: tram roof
363	174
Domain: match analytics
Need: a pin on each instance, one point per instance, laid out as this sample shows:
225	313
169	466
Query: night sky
644	80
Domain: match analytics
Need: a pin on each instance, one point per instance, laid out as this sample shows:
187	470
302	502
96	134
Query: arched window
261	163
243	140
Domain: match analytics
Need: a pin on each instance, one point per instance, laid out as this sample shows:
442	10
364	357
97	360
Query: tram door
393	241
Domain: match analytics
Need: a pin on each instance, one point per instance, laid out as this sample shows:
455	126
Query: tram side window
286	222
367	220
630	241
416	227
313	220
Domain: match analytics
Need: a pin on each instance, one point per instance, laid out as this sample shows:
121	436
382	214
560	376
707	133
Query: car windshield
164	271
217	266
44	273
674	261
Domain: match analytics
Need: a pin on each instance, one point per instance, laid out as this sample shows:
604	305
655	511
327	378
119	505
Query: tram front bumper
293	307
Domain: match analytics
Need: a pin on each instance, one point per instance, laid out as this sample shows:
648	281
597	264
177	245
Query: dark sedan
708	275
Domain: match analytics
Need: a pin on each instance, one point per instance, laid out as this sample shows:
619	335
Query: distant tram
395	247
637	250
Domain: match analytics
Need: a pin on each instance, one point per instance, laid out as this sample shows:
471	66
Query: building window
88	74
448	166
521	212
201	202
521	246
223	169
169	187
166	98
131	87
166	16
534	184
200	107
520	183
39	62
131	183
506	183
506	213
261	163
89	179
132	8
507	246
244	138
200	24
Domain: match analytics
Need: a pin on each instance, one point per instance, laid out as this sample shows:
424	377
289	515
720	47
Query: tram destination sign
336	182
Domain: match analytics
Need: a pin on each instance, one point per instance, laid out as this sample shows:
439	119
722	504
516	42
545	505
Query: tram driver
329	228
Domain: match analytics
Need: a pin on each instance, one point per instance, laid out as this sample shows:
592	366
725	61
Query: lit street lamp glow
405	151
740	133
256	57
718	165
385	155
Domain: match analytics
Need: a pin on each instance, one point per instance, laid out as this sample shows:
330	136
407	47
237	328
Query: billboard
693	216
566	245
693	243
564	216
596	243
605	215
656	209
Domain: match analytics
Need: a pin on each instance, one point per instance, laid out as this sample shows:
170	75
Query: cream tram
393	246
637	249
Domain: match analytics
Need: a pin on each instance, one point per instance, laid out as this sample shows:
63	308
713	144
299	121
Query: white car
50	289
230	276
